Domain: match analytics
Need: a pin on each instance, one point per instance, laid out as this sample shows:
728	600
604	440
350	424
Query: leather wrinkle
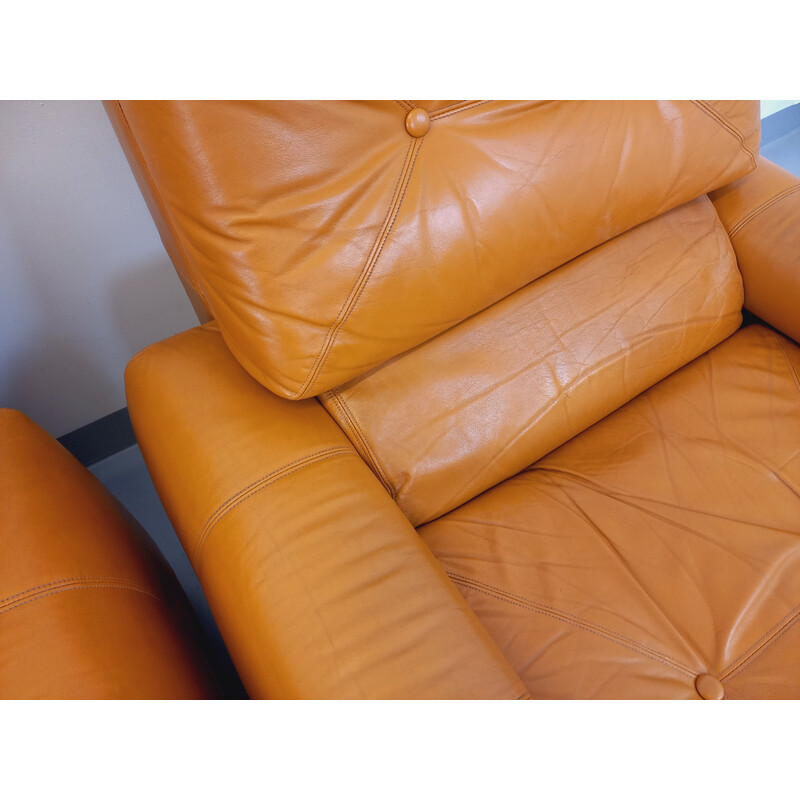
580	378
727	125
355	293
262	483
572	619
161	204
623	562
760	209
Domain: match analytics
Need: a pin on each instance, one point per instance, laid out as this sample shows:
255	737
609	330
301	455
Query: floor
785	151
125	475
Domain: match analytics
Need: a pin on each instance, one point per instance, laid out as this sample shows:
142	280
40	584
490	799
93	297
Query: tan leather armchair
473	413
89	609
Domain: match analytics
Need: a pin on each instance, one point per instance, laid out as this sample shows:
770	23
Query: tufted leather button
709	688
418	123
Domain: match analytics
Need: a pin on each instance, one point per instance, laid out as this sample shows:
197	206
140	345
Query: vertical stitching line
367	449
366	272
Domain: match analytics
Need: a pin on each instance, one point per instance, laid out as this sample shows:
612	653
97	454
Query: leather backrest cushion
327	237
489	397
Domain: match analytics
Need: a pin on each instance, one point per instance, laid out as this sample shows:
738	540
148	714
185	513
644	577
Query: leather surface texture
762	215
482	401
657	554
88	608
320	586
327	237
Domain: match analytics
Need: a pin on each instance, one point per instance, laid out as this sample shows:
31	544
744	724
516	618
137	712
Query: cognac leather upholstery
761	213
475	417
325	238
88	608
319	584
659	545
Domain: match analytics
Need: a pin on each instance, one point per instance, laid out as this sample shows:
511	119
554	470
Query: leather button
709	688
418	123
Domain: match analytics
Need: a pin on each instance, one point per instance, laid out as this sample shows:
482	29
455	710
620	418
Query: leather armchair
88	607
473	413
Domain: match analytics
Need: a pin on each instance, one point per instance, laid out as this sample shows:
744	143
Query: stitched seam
366	271
237	495
161	204
789	363
758	210
32	589
263	483
445	108
365	448
406	105
571	619
81	584
470	104
761	650
744	654
735	132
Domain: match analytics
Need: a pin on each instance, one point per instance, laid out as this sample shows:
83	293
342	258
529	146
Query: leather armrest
320	586
761	213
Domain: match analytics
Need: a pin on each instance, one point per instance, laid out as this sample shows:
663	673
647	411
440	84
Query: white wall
85	282
774	106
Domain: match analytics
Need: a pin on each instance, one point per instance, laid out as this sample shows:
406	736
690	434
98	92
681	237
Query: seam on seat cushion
262	483
764	643
782	345
70	584
366	272
760	209
571	619
732	129
406	105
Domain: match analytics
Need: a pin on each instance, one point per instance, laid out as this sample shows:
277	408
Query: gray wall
85	282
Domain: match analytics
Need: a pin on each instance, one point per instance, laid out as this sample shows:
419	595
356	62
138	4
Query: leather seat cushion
661	544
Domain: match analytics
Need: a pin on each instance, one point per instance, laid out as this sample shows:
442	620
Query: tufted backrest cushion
492	395
328	237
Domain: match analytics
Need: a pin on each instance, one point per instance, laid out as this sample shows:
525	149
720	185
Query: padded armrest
761	213
320	586
89	609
